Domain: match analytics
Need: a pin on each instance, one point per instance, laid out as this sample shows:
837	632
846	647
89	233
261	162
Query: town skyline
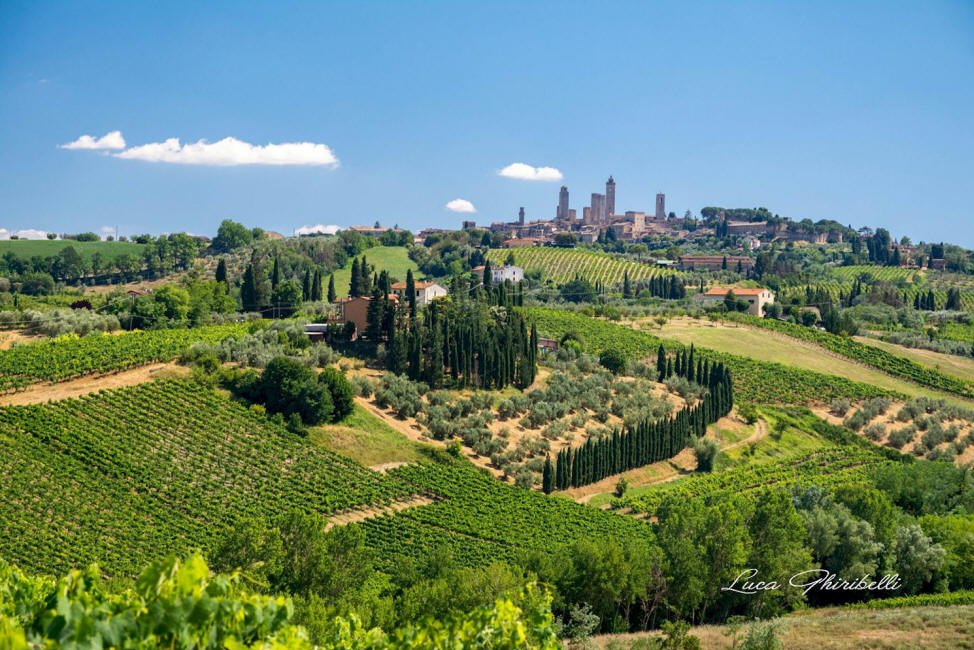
108	121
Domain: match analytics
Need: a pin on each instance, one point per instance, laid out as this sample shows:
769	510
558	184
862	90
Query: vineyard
867	354
560	265
892	274
826	467
754	381
67	357
481	519
122	477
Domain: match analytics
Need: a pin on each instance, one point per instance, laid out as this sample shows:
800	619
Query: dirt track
40	393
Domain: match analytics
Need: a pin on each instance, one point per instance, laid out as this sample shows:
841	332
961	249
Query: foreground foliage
178	605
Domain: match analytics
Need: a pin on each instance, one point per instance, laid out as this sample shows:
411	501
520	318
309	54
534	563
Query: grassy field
891	629
27	248
367	439
390	258
950	364
766	346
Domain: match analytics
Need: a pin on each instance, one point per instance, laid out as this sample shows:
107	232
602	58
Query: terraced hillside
122	477
563	264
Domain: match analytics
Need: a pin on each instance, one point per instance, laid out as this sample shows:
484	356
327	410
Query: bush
839	407
341	390
706	451
614	360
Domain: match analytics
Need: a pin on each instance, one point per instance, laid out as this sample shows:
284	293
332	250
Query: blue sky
862	112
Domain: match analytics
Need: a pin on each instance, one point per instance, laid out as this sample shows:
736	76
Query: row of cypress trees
463	342
649	441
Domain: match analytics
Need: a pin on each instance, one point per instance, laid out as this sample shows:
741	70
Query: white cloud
460	205
29	233
529	173
318	228
231	151
113	140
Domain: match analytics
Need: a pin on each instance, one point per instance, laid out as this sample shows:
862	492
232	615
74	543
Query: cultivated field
561	265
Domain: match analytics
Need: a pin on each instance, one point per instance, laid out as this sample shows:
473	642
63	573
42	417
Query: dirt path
415	433
674	468
353	516
40	393
10	337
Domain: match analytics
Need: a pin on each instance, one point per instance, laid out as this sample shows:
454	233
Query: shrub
706	451
341	390
839	407
614	360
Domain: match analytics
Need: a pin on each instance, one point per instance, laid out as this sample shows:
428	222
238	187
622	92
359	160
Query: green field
367	439
27	248
563	264
393	259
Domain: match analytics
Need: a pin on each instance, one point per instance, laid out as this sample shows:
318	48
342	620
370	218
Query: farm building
425	291
756	298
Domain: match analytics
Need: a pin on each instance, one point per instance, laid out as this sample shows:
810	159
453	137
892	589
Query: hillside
561	265
394	259
122	477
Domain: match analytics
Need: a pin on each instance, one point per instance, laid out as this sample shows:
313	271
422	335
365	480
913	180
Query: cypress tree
306	286
332	295
546	484
316	293
276	275
661	362
248	290
411	293
488	278
221	271
355	281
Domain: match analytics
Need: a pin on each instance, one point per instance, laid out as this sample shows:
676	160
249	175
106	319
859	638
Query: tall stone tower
660	206
598	208
520	216
562	214
610	199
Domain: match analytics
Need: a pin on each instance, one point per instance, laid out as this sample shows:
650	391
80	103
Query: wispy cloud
525	172
460	205
29	233
112	140
230	152
318	228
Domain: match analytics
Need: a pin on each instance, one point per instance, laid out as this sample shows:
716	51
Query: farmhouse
425	291
509	272
755	298
356	310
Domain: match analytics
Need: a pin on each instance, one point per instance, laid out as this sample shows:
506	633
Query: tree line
648	441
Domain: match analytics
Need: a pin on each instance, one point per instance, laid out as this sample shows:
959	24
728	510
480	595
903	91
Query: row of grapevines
562	264
120	477
65	357
481	519
867	354
754	381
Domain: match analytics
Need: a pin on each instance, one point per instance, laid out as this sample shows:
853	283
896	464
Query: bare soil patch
39	393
